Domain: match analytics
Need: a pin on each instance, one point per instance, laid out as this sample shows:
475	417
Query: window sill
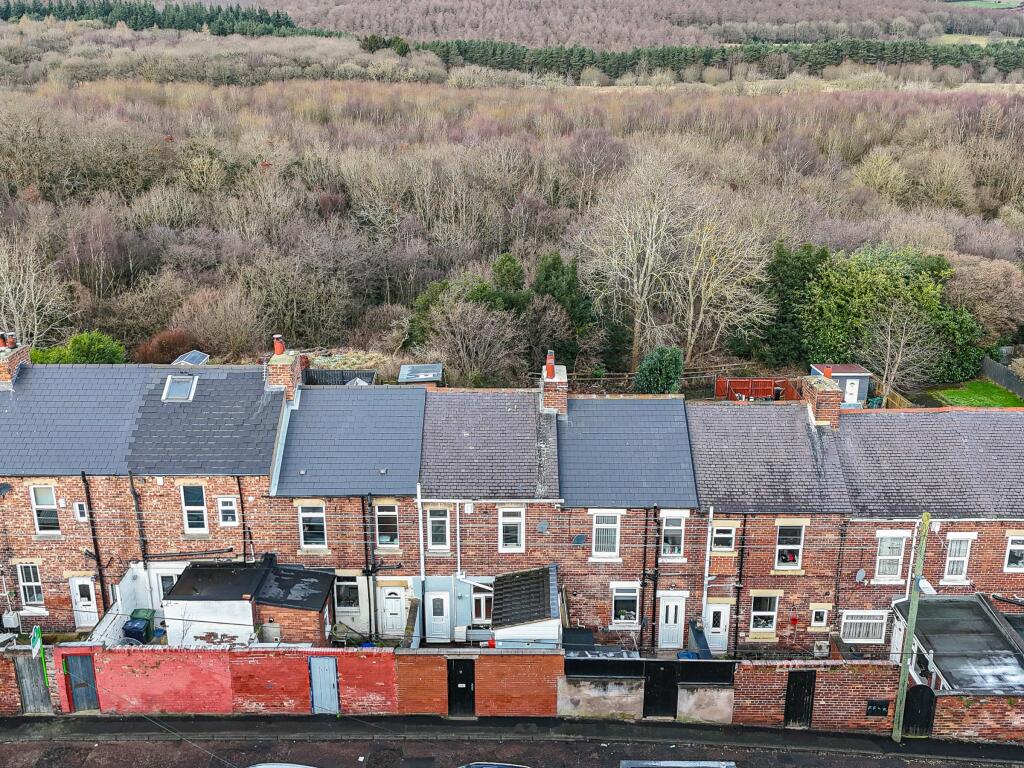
623	627
762	637
887	582
723	553
197	537
604	559
56	536
787	572
379	550
29	610
511	551
228	525
313	551
438	553
818	630
954	582
862	642
673	559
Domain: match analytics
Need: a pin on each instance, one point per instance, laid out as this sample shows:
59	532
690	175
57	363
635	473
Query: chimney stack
12	357
554	387
283	370
824	397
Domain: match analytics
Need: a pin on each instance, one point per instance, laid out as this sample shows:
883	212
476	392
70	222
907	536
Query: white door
438	621
392	611
670	628
716	627
83	602
851	391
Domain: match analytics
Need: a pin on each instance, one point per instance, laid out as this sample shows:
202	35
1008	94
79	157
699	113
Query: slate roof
522	597
351	441
753	458
971	649
488	445
108	419
626	452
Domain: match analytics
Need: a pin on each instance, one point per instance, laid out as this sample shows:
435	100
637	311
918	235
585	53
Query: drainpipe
643	578
654	588
839	570
913	548
423	565
707	562
368	570
246	533
739	585
458	533
95	544
143	550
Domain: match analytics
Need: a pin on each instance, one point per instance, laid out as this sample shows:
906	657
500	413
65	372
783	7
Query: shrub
88	347
165	346
659	372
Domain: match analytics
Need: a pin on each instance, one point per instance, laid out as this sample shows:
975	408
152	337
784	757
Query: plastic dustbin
137	629
144	613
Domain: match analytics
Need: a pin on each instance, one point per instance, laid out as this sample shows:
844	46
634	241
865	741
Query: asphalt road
416	754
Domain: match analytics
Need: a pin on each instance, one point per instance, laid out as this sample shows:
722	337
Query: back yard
982	393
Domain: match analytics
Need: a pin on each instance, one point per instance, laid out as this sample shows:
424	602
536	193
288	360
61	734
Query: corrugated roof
351	441
764	458
108	419
626	452
488	445
525	596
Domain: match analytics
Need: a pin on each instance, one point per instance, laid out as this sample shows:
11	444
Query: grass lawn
996	4
981	393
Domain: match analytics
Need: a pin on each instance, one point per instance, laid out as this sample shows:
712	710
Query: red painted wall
271	682
368	682
163	680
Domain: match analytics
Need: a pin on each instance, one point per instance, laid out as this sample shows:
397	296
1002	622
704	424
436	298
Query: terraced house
502	517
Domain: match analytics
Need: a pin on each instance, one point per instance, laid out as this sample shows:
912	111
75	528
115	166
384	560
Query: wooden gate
800	698
323	684
919	712
35	697
82	682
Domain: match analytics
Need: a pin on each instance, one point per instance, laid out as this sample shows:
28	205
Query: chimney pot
12	342
549	365
827	371
279	346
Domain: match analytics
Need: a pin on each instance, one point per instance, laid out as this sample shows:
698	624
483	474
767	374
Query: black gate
82	681
661	688
800	698
919	712
35	696
461	688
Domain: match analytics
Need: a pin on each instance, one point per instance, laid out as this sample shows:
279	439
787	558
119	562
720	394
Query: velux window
193	507
312	527
179	389
44	507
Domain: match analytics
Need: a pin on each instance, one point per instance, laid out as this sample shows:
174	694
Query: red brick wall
841	693
297	626
270	682
979	718
368	682
10	696
163	680
422	684
523	686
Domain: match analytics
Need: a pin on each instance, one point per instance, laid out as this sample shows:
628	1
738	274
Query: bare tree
668	259
477	345
225	321
900	348
34	302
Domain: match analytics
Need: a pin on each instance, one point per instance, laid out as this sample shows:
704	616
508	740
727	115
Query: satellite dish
542	526
925	586
579	539
861	575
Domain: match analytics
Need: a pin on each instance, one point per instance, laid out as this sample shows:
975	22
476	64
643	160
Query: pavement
427	742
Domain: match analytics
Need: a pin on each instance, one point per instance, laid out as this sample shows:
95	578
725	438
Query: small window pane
178	388
346	594
387	527
47	520
1015	555
437	607
44	496
193	495
314	527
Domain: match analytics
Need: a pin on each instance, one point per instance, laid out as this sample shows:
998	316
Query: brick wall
297	626
841	693
163	680
368	682
523	686
979	718
270	682
422	684
10	696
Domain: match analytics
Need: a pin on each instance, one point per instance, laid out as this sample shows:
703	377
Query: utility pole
908	635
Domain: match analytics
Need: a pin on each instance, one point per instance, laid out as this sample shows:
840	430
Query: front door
670	627
83	602
323	684
716	626
461	688
850	395
392	611
799	698
438	622
81	676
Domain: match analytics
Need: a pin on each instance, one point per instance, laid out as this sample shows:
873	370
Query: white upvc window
625	605
863	626
193	508
606	524
1014	555
723	539
512	530
763	612
346	594
672	529
483	604
889	557
227	511
819	617
81	511
30	585
313	527
958	553
437	530
789	547
44	509
179	389
386	517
